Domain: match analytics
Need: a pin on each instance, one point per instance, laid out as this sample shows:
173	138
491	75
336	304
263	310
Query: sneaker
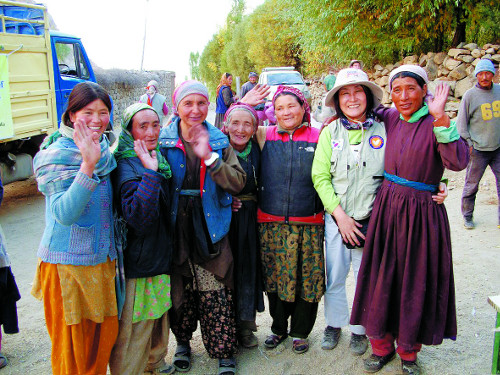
468	223
410	367
330	338
358	344
375	363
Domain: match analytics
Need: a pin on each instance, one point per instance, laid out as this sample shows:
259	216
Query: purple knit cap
297	93
187	88
241	107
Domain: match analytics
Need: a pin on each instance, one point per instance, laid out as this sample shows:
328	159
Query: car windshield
285	78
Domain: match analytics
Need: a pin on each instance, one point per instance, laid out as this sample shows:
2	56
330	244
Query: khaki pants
140	346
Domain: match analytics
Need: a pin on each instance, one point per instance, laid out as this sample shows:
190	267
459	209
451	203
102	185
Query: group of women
215	218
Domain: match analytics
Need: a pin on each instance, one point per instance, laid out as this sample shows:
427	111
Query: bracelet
211	159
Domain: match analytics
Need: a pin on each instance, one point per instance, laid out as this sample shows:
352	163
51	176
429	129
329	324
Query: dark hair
83	94
369	101
416	77
228	75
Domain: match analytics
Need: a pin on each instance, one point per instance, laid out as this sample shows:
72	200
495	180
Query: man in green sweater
478	122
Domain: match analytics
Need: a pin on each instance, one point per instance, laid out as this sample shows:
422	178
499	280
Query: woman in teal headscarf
141	191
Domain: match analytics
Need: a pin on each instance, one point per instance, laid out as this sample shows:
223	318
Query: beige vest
356	178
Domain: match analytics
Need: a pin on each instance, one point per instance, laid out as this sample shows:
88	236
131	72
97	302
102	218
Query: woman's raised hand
198	137
437	104
148	160
256	95
87	142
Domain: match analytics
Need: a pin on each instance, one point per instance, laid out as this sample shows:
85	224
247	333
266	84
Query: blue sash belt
190	192
413	184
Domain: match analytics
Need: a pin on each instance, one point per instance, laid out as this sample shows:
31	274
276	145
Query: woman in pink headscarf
290	220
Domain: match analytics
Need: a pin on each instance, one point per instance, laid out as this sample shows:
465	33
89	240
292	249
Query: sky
112	31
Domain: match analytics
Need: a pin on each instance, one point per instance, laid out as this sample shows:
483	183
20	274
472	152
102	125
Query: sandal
165	369
227	366
182	358
273	340
300	346
3	361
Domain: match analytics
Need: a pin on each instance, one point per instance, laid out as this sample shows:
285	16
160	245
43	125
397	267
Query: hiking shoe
375	363
410	367
468	223
330	338
358	344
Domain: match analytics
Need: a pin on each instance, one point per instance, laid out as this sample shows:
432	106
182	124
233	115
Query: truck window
71	61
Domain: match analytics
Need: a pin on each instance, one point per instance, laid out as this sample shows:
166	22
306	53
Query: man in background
155	100
478	122
252	82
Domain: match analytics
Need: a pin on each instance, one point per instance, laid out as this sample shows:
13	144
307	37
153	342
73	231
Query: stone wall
456	67
127	86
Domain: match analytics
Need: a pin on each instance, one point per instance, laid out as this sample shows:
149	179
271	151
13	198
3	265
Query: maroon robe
405	285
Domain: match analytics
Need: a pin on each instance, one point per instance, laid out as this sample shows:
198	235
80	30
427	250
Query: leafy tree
194	65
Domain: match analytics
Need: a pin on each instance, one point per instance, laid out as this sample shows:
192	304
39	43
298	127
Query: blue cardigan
79	223
216	202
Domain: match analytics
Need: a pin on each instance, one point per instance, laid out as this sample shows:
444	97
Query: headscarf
125	148
59	160
240	107
223	81
297	93
187	88
154	84
415	69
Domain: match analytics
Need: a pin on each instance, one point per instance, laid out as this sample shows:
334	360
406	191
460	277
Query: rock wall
127	86
456	67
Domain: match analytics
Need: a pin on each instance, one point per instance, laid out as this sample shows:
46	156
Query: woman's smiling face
352	102
407	95
240	129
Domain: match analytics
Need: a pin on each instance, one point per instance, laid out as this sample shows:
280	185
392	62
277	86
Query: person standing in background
155	100
252	82
224	99
330	79
356	64
478	122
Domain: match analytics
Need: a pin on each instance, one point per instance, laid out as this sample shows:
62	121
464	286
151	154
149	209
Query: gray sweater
478	119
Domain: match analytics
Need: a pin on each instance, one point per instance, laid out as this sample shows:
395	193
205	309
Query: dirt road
477	276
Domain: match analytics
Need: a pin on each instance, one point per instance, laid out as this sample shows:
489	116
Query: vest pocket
82	239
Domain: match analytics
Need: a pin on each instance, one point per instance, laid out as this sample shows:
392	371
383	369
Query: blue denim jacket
216	202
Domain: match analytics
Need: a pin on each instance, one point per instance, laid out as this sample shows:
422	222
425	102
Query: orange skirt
82	348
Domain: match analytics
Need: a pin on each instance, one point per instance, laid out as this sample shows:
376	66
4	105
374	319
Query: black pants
303	316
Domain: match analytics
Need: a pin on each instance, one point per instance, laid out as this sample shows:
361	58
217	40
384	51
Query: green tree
194	65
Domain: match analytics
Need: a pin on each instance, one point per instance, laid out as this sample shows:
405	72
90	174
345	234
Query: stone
451	64
431	86
432	69
487	45
454	52
458	73
398	64
389	67
466	58
385	72
490	50
496	46
476	53
439	57
377	74
487	56
476	61
461	45
378	67
471	46
384	81
463	85
422	61
452	115
413	59
470	70
442	71
452	106
496	58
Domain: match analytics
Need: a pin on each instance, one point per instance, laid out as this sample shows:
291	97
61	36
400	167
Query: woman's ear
72	117
424	87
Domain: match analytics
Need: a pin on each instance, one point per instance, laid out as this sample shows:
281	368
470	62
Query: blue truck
38	69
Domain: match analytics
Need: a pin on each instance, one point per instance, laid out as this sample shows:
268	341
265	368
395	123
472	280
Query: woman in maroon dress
405	290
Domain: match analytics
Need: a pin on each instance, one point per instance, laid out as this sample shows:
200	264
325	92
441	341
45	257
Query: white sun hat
351	76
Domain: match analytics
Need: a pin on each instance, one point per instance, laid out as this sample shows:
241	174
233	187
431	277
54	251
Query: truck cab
71	66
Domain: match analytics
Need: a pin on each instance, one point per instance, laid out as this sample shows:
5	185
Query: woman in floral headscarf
141	189
290	220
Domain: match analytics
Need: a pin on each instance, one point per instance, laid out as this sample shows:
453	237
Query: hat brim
376	91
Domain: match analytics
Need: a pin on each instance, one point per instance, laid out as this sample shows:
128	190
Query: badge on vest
337	144
376	142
